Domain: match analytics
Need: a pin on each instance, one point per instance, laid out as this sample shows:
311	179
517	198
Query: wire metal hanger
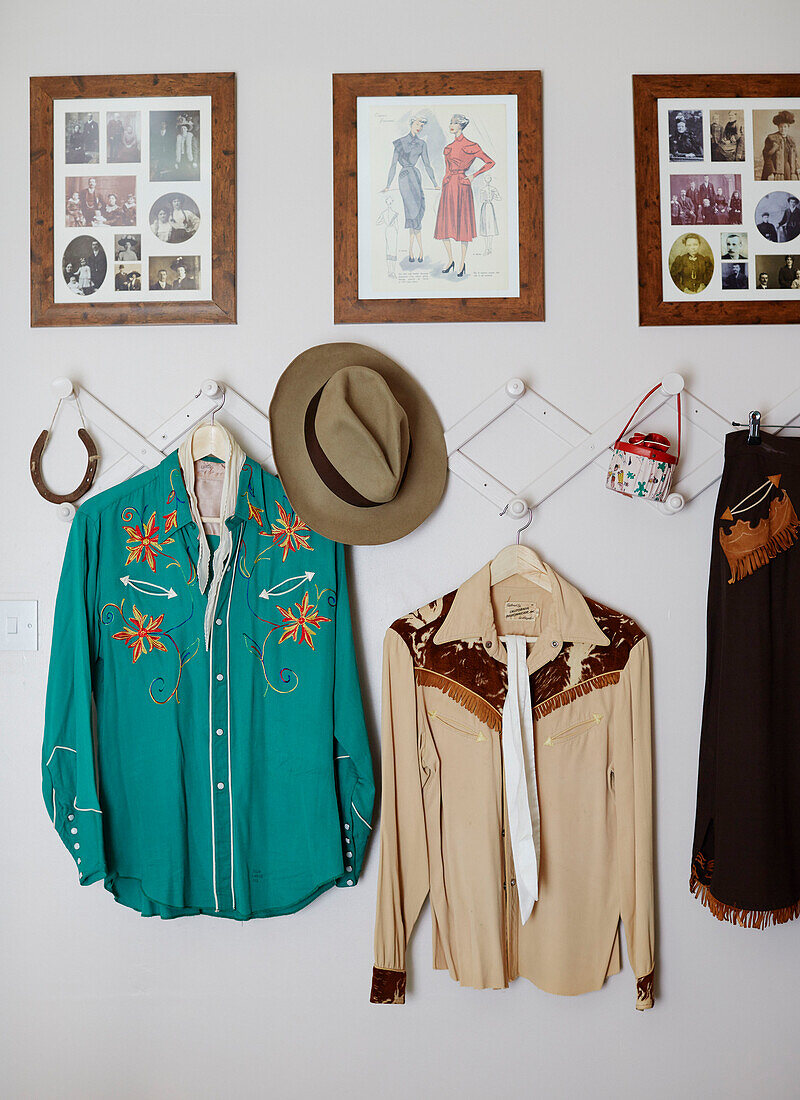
754	427
525	525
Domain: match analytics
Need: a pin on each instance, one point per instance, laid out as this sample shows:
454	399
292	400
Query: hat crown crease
364	432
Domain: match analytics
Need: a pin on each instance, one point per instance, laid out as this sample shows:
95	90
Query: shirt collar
250	502
471	617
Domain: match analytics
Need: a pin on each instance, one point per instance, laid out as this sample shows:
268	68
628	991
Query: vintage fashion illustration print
437	197
115	202
738	178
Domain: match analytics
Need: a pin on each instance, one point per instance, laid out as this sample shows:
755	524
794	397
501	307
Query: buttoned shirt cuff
644	991
81	833
388	986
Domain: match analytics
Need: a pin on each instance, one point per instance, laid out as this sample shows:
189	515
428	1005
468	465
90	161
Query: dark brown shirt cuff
644	991
388	987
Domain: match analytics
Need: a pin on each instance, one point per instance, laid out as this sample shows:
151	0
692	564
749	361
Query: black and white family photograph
734	276
727	135
84	265
685	135
174	217
691	263
82	137
778	216
128	277
706	199
123	137
733	246
174	272
776	136
100	200
778	272
174	145
127	246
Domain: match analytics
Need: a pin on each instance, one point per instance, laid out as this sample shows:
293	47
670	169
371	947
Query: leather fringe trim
547	706
762	555
476	705
745	918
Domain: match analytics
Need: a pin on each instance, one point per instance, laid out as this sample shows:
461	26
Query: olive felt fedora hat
357	444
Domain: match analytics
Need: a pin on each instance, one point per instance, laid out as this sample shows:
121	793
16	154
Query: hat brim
314	502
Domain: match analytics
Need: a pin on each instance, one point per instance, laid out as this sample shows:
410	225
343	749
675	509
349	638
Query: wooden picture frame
648	91
349	308
217	308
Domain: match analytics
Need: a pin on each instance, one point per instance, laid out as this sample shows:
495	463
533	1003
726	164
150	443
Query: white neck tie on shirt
519	765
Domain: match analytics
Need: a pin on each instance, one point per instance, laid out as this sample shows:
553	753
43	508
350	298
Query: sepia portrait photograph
82	137
174	145
734	276
778	216
84	265
778	272
727	135
713	199
174	273
127	277
691	263
123	137
127	246
100	200
686	135
776	137
174	217
733	246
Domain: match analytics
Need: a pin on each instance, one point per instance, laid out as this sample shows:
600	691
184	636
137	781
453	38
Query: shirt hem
177	911
539	985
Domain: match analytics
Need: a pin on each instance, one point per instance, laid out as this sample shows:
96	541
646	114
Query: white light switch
19	624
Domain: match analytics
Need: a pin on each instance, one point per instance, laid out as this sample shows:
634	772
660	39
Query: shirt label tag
518	611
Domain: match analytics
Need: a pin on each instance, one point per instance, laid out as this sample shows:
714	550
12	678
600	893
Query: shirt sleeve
69	780
403	875
353	762
633	796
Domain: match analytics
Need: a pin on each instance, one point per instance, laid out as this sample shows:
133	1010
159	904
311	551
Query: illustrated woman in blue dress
407	151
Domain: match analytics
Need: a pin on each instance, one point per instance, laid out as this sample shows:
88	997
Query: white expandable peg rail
66	512
672	384
211	388
515	387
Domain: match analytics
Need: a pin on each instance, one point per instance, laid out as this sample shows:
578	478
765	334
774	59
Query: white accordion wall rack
587	447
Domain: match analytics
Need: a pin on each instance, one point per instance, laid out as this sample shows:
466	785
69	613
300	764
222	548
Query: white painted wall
98	1002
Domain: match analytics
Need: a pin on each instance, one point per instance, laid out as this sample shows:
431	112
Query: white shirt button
348	867
220	786
219	622
347	827
349	882
70	817
349	855
220	733
220	676
79	859
73	831
76	846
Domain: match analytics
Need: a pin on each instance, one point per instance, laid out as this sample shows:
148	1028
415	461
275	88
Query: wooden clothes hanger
517	560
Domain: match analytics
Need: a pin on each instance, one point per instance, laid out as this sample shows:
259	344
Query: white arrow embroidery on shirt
280	588
147	588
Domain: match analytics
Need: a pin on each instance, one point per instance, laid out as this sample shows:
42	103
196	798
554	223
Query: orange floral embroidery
286	532
301	626
143	542
138	634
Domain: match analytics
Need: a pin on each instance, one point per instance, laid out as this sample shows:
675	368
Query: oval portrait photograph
778	216
691	263
84	265
174	217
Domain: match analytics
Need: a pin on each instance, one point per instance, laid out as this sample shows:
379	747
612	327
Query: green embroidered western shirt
233	779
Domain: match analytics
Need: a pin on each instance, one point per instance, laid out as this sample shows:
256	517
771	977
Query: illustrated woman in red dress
455	220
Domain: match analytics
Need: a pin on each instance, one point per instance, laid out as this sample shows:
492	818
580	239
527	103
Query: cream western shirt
445	817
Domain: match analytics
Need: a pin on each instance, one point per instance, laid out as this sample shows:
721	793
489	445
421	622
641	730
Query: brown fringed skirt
746	858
